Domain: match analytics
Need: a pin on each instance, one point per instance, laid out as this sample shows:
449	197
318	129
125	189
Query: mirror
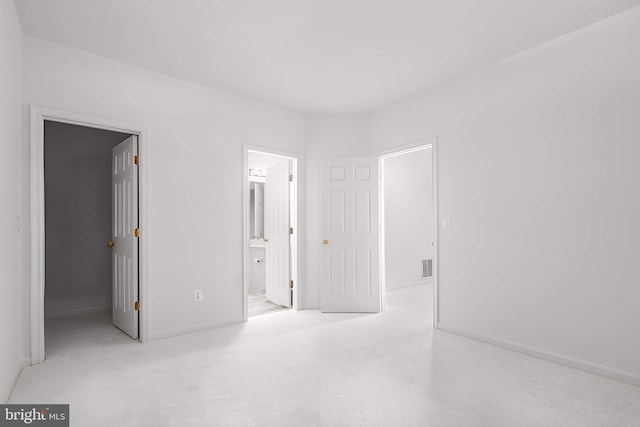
256	210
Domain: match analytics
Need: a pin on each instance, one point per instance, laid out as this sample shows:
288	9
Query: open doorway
125	201
270	232
408	231
91	250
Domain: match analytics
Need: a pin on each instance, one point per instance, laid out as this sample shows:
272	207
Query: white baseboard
23	362
77	311
197	328
583	365
311	307
409	285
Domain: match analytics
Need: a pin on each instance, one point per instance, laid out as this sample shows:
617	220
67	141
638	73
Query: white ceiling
263	161
322	56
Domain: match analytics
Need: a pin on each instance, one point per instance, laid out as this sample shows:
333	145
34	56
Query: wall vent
427	268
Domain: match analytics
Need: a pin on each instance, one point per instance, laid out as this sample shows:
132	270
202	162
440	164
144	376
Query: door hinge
136	232
136	306
290	178
291	284
291	230
136	160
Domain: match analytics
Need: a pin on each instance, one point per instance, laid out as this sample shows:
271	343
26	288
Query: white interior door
276	233
350	232
124	204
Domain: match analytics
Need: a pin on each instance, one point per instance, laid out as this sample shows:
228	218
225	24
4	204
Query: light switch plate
446	224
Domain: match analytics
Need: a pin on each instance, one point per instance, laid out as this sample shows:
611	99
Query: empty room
320	213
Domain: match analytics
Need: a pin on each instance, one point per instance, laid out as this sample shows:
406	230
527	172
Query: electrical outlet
198	296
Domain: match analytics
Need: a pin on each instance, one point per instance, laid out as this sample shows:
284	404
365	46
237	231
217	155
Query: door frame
423	144
38	115
296	210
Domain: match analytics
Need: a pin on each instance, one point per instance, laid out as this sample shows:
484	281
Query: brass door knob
110	244
325	242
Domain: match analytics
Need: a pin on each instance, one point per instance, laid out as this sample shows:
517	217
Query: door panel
276	232
124	182
350	225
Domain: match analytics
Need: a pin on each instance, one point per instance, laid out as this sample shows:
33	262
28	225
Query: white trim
572	362
382	268
296	223
198	328
423	144
420	144
23	362
38	115
410	285
436	233
77	311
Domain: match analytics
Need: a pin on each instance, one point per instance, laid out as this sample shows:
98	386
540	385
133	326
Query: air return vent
427	268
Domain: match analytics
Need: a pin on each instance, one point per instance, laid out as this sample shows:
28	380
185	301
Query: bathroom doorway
271	232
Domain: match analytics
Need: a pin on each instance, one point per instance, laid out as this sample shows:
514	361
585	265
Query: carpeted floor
306	368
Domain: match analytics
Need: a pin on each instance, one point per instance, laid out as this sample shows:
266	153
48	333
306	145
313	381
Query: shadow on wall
78	217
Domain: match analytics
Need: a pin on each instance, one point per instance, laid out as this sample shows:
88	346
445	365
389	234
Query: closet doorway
86	231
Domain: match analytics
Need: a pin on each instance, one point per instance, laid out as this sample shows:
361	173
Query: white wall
327	136
78	216
538	166
408	217
539	173
12	303
257	270
194	158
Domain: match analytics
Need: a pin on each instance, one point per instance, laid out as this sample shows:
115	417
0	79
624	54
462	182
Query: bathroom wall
257	271
257	266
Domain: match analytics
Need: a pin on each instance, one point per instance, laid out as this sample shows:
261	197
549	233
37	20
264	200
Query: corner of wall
13	302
